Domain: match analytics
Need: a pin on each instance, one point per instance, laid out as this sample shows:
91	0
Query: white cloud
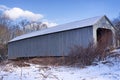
3	8
50	24
15	13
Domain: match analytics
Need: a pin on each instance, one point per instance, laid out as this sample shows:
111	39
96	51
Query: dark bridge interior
104	37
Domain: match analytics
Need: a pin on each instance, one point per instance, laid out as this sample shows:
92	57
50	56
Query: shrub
85	56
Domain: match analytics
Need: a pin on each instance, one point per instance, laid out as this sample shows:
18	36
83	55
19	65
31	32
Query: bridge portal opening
104	37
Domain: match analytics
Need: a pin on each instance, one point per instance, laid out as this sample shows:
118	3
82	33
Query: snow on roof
63	27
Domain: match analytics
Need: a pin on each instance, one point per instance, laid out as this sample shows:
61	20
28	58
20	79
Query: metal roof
63	27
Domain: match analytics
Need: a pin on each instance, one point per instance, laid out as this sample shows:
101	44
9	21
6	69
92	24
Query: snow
37	72
108	69
68	26
116	51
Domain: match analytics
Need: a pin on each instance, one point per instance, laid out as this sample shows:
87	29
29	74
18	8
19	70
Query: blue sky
63	11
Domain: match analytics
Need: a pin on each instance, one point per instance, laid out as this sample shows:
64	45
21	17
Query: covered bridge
57	41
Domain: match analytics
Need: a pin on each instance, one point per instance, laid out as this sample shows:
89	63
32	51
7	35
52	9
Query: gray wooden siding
55	44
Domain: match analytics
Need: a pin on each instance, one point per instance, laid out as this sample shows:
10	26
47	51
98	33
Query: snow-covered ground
105	70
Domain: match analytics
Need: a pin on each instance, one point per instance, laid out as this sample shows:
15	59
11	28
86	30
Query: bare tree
5	35
15	31
34	26
116	23
4	30
22	24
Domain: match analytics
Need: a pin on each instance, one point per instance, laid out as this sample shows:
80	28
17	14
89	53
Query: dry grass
20	62
47	61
